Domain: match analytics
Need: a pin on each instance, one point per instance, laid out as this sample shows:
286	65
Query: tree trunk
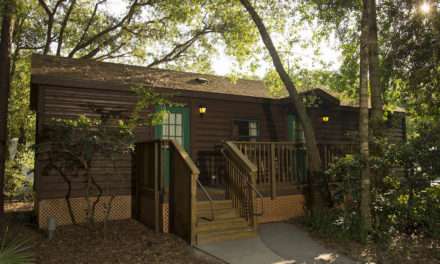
314	158
374	70
5	46
363	121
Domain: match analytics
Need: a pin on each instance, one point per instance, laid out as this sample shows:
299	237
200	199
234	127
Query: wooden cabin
231	157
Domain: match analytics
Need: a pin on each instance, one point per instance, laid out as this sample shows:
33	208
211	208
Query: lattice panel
281	208
57	208
166	218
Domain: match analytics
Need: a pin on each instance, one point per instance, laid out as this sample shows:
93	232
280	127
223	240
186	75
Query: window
172	127
245	130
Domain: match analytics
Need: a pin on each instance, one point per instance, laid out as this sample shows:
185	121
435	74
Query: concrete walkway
276	243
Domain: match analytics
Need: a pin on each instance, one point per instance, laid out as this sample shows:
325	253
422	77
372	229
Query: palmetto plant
15	251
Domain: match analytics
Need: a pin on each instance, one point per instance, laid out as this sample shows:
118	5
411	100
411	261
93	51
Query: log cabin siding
205	132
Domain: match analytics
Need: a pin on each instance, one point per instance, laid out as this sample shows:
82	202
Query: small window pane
165	130
172	118
253	125
172	131
253	132
178	119
179	140
178	130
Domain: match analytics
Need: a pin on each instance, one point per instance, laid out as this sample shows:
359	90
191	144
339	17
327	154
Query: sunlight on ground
285	262
327	257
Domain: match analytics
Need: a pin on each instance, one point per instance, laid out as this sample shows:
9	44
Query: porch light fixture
325	119
202	110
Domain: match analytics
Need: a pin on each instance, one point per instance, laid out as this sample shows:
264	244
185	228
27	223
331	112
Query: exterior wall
281	208
57	208
206	132
342	127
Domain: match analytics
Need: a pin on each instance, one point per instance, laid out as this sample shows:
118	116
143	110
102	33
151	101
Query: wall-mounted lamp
325	119
202	110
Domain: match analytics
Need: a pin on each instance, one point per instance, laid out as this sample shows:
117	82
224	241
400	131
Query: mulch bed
125	242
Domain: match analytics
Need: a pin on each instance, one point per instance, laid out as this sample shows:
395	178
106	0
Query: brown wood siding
206	132
62	102
216	125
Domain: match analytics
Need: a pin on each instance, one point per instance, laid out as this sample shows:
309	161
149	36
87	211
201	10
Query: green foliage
17	184
15	251
344	220
404	199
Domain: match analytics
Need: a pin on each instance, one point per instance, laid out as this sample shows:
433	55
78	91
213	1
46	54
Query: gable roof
62	71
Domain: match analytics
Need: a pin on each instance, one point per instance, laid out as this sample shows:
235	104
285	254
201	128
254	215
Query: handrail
241	157
211	202
241	177
184	155
254	189
261	199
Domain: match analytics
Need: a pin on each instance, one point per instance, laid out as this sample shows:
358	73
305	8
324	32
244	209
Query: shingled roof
59	71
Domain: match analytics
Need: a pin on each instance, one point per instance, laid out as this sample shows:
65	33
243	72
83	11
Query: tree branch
63	27
50	21
89	23
179	49
125	20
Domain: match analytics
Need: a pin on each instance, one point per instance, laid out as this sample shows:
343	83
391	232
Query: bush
17	184
404	200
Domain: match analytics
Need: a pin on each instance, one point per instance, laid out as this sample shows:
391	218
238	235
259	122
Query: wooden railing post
273	171
252	194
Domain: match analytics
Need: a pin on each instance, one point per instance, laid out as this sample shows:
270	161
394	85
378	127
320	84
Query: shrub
17	184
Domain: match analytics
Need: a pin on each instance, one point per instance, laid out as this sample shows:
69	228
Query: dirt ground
126	242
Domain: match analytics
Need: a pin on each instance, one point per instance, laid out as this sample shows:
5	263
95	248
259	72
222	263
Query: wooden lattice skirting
57	208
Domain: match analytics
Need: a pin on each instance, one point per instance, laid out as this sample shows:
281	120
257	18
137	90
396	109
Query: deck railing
240	182
278	163
330	152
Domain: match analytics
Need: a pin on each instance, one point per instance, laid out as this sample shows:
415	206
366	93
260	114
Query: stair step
216	204
218	213
221	224
222	235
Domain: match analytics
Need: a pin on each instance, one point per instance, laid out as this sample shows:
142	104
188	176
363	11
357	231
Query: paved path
292	243
276	243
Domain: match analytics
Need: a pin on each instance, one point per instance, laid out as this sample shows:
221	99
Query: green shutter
291	119
296	134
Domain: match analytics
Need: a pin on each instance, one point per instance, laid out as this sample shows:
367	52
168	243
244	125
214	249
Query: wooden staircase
226	225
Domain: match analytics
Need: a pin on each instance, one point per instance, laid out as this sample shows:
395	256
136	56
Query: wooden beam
273	171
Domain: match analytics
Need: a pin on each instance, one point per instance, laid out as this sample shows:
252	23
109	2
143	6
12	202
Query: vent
201	80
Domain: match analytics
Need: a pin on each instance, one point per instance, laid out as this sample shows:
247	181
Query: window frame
248	120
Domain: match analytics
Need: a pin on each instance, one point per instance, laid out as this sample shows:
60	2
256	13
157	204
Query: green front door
175	125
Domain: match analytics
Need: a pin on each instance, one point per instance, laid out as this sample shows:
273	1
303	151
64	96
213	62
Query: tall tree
363	120
5	47
314	159
374	72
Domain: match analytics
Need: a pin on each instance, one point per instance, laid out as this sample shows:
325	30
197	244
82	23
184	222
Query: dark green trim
296	134
185	122
291	127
